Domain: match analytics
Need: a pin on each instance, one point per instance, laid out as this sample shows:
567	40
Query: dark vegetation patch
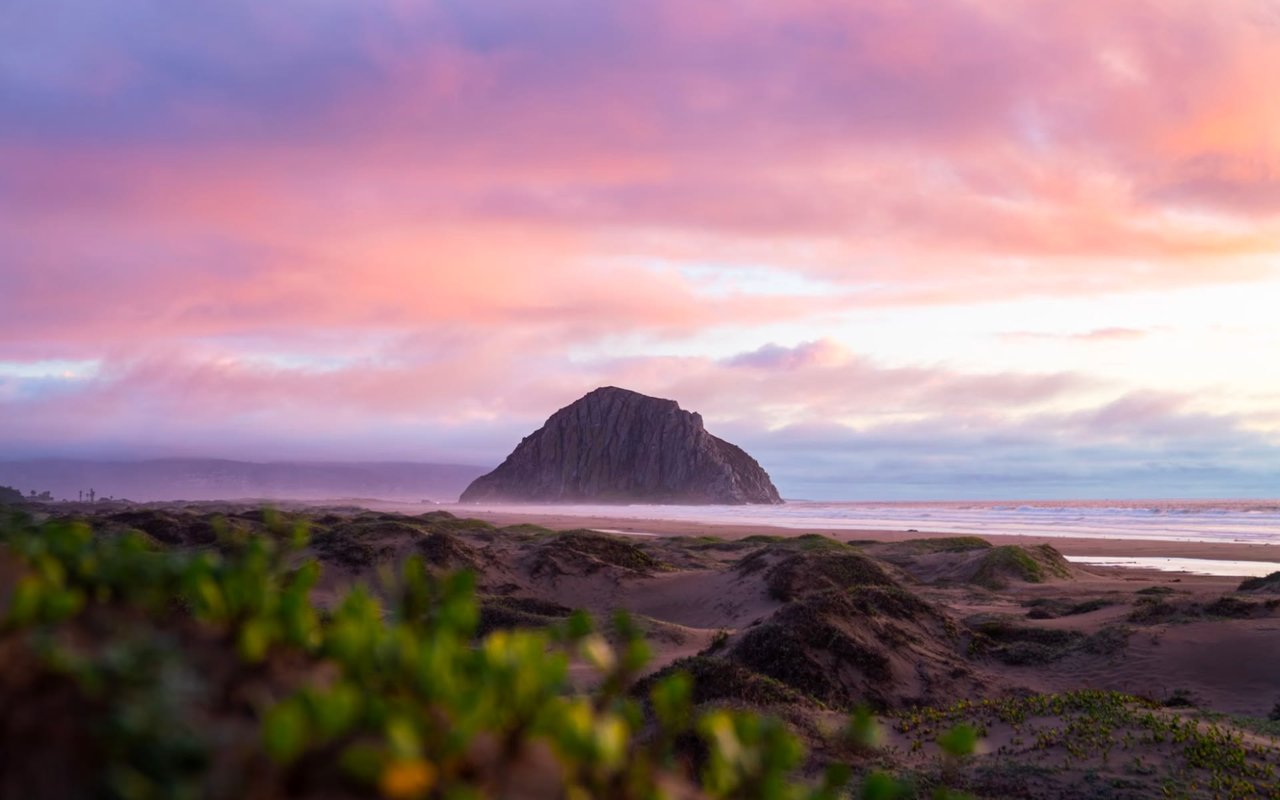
763	538
364	540
756	561
178	528
1232	608
526	530
802	650
701	543
587	552
444	522
1181	698
1048	608
1110	640
1157	610
809	542
1267	583
463	524
380	528
889	601
1022	645
502	613
943	544
719	680
436	516
804	542
1004	631
1025	645
609	549
1155	591
338	546
718	642
802	573
1034	564
836	646
448	551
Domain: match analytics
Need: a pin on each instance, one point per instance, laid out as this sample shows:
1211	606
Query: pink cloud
442	200
771	357
1103	335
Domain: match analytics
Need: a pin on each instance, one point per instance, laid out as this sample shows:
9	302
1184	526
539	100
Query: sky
895	249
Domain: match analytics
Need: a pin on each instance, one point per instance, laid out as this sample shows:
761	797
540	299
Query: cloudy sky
894	249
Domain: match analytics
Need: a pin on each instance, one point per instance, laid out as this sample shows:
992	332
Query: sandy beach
1069	546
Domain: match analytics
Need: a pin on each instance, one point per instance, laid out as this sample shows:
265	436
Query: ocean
1243	521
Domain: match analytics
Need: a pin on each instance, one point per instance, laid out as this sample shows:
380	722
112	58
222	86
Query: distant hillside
214	479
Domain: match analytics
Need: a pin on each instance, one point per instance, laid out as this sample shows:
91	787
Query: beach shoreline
1136	547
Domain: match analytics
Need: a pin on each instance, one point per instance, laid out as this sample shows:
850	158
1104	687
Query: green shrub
1232	608
1269	583
945	544
167	666
1029	564
599	549
806	572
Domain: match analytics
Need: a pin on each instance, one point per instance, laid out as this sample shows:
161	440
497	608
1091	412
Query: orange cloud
431	206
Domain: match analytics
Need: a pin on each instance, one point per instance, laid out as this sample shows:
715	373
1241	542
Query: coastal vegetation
212	674
1267	583
223	651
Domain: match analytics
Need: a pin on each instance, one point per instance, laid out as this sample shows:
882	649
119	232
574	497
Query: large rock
618	446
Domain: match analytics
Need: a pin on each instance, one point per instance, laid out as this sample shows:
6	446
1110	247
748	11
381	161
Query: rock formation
618	446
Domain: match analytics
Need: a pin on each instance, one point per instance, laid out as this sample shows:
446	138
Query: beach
1193	544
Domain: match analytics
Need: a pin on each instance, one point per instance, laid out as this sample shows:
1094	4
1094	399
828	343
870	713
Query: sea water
1195	566
1248	521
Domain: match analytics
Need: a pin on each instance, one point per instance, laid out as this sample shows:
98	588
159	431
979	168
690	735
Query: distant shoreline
1069	545
1113	545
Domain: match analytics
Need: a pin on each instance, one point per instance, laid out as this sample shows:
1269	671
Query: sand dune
809	627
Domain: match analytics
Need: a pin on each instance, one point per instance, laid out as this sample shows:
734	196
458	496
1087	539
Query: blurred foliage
213	673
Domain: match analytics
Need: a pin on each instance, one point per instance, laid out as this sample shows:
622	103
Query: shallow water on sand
1195	566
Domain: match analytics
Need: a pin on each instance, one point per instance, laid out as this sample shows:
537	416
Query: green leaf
881	785
335	711
672	701
284	732
362	762
864	730
960	741
24	604
255	640
578	626
61	604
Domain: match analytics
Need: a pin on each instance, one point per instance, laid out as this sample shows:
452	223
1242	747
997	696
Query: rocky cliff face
618	446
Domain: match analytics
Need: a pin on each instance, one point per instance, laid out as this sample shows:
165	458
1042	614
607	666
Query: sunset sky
894	249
